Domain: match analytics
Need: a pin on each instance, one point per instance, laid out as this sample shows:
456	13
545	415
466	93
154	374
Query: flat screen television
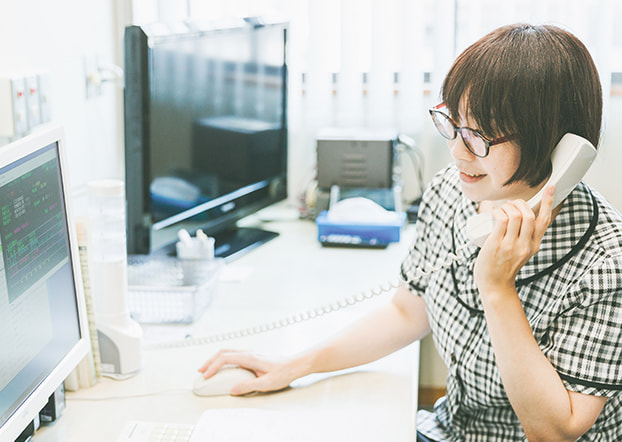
205	114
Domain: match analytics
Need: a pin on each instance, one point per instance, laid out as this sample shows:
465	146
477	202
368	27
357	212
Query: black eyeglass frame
457	129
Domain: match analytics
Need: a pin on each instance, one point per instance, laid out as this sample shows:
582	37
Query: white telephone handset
571	159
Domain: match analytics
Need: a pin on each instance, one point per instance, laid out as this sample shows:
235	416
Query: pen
185	237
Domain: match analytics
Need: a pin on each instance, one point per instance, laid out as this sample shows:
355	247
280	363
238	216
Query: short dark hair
535	83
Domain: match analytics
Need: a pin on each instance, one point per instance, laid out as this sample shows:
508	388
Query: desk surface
292	273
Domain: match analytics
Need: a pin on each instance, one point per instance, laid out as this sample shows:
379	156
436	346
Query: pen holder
196	256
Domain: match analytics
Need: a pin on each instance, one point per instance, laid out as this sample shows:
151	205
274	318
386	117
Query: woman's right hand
271	375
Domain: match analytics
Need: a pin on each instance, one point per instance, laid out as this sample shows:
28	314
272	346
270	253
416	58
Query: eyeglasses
474	141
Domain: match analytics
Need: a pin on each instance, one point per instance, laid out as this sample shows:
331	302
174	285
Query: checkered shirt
571	291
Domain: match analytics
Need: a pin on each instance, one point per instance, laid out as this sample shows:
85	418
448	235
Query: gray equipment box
356	158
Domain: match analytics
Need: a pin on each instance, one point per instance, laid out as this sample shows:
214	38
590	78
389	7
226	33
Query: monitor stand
230	243
233	243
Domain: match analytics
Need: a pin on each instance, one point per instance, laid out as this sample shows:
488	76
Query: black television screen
205	130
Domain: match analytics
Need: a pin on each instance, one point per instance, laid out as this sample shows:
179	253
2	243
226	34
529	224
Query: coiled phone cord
316	312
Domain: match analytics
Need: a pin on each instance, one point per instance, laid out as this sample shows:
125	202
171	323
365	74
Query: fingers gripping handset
571	159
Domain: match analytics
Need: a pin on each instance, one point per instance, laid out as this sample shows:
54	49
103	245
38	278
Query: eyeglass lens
448	130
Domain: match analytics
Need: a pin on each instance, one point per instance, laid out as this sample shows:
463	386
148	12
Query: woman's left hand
516	237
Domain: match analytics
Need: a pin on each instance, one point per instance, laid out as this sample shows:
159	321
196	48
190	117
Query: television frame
141	227
27	411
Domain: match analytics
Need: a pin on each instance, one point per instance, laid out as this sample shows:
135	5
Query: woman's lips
470	177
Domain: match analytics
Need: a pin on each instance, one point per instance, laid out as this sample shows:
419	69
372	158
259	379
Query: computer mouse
220	384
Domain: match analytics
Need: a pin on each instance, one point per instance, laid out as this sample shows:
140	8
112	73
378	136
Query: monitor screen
205	128
43	332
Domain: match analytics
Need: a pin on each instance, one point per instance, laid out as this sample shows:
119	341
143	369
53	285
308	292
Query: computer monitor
205	130
43	323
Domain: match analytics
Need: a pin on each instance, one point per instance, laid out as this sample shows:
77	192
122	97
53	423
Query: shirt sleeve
585	343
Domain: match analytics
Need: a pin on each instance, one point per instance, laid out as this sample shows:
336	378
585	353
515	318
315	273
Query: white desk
291	273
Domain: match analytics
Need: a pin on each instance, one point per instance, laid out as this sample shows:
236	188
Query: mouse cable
316	312
71	397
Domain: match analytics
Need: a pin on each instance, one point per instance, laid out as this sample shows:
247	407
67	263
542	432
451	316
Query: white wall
56	36
604	174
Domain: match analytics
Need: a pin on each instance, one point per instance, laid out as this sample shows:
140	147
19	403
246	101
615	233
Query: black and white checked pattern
571	291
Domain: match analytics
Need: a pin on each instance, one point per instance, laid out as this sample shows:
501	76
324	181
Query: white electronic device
221	383
42	306
571	159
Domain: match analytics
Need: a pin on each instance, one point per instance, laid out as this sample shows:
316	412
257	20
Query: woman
529	324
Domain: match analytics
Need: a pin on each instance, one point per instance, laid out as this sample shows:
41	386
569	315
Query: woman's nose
458	149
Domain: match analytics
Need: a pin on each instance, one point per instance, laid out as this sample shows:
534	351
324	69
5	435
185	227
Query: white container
120	337
107	214
108	247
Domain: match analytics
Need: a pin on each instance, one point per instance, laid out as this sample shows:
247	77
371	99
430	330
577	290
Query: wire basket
170	290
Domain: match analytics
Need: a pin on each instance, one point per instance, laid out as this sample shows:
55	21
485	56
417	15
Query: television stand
235	242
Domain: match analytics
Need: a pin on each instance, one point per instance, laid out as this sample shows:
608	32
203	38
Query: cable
71	397
297	318
284	322
416	156
449	260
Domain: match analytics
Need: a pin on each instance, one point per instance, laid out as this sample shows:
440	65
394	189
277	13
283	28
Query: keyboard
140	431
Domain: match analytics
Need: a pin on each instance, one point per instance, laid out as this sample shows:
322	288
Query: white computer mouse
221	383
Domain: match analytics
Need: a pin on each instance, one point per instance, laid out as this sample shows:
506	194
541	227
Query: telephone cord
452	257
316	312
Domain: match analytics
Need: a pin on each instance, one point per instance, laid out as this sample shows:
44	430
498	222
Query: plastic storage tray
169	290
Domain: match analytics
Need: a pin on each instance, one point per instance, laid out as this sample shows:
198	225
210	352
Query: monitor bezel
30	407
